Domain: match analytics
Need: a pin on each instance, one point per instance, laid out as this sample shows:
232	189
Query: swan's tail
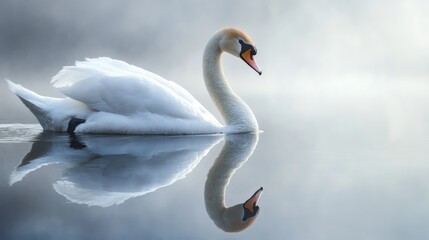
35	102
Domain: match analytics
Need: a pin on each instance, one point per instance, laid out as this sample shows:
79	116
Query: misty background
318	57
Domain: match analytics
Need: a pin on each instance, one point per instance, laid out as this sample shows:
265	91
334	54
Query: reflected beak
248	58
252	202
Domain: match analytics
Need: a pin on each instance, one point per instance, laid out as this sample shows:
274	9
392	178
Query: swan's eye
245	47
254	51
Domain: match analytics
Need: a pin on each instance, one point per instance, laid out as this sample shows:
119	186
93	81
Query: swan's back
96	71
124	94
102	66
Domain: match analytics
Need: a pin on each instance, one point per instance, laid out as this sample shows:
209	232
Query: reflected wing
131	166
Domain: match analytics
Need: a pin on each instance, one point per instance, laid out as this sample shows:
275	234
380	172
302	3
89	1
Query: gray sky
315	47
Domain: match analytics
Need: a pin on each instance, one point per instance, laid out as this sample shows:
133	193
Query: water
331	183
60	186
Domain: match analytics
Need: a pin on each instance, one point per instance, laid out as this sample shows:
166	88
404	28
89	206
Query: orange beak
248	58
252	202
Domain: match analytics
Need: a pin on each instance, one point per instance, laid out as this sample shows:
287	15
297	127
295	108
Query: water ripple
18	133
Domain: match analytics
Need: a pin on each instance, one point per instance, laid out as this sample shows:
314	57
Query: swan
236	151
104	95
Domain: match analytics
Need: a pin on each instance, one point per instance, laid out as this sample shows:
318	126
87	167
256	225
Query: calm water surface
335	183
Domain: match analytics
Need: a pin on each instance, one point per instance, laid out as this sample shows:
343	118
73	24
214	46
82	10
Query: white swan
111	96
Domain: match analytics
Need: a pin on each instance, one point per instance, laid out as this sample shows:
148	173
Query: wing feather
109	85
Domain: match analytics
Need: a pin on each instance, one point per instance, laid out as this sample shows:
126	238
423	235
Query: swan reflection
106	170
236	151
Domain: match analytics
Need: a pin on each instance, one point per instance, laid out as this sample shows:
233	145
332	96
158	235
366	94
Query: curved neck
237	115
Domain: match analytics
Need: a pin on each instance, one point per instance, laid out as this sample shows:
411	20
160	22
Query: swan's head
241	216
239	44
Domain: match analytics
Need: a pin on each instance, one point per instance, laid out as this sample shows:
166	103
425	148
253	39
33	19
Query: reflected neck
236	151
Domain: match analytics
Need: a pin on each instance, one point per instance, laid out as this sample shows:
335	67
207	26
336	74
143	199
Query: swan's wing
115	86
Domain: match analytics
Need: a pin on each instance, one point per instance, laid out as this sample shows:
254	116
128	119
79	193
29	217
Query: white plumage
112	96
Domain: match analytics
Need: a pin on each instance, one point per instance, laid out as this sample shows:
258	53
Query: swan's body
111	96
